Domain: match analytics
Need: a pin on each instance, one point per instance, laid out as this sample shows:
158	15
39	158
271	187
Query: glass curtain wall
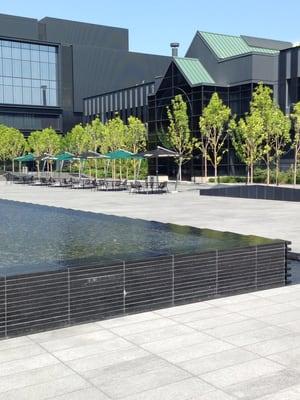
28	74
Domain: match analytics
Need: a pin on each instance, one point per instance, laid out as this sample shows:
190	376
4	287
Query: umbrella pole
96	171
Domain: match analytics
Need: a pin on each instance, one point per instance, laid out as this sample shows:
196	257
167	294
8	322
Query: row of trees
262	135
95	136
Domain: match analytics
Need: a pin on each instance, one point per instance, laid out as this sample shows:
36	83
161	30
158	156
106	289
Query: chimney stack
174	47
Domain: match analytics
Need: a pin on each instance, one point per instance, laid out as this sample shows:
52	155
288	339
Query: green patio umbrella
121	154
25	158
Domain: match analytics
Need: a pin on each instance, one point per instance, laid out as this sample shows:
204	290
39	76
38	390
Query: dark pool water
40	238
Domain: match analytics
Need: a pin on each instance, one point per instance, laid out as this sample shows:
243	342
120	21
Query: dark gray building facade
47	67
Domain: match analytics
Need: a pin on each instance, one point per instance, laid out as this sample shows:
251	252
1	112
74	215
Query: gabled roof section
193	71
226	46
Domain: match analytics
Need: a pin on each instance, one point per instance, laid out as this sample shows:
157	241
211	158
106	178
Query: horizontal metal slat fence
40	301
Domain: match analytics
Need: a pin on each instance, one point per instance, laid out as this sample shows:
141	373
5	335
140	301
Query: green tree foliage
78	140
115	138
12	143
262	103
136	138
179	137
280	137
295	116
213	124
247	136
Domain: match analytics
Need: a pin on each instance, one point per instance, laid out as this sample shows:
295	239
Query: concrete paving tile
200	366
6	344
182	390
17	353
220	321
268	310
281	318
159	334
286	297
64	332
264	385
237	299
167	312
276	345
195	351
293	326
235	328
33	377
47	390
258	335
285	290
171	344
289	358
199	315
292	393
95	362
215	395
88	350
125	369
241	372
143	326
129	319
78	340
85	394
118	388
247	305
26	364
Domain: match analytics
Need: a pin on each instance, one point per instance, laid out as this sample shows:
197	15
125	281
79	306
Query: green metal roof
193	71
225	46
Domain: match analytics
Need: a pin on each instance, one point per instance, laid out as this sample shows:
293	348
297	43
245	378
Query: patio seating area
74	181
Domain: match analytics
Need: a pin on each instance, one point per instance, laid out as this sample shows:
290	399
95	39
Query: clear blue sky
153	24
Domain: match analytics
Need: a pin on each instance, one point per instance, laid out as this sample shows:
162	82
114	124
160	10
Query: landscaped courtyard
240	347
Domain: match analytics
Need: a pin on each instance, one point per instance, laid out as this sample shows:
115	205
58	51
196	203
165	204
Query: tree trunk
268	170
216	166
4	166
277	171
248	174
251	173
205	164
114	169
180	169
38	168
295	167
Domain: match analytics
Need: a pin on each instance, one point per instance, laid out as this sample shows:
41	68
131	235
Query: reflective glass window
24	69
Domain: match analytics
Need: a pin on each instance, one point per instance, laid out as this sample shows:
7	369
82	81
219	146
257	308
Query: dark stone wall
41	301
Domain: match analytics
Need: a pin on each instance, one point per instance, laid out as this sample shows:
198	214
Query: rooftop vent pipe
174	47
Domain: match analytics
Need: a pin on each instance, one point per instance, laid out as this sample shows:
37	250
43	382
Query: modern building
47	67
57	73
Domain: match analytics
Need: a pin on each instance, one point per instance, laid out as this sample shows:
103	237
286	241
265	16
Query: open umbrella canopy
66	156
25	158
92	155
122	155
159	152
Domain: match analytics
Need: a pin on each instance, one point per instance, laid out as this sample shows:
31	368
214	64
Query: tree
12	144
52	143
78	140
262	103
280	137
37	146
215	117
178	136
136	138
115	138
247	136
295	116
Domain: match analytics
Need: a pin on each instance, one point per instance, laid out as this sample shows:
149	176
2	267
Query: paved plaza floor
241	347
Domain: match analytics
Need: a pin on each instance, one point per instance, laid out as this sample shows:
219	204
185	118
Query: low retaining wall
254	192
40	301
